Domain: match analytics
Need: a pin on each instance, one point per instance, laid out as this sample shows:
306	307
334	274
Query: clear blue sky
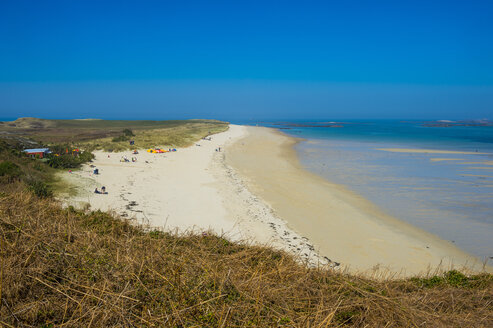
246	59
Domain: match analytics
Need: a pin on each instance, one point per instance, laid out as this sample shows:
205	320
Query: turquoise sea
450	195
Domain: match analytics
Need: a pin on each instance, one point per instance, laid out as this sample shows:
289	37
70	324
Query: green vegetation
19	170
453	278
65	161
37	176
124	137
128	133
118	139
73	268
9	172
39	188
178	135
113	135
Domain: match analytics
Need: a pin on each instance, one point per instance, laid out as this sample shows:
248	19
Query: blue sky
246	59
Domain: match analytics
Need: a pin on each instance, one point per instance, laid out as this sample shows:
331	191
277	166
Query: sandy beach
342	225
254	189
190	189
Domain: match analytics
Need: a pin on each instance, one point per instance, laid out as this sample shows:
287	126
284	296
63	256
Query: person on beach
103	189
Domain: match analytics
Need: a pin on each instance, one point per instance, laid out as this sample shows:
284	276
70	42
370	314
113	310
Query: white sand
191	189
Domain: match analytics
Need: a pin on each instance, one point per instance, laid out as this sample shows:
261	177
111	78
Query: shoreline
230	194
341	224
192	189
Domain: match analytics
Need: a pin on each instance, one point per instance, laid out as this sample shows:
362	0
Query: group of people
103	188
125	159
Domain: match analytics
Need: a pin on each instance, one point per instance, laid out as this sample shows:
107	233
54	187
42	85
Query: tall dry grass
182	135
66	268
100	133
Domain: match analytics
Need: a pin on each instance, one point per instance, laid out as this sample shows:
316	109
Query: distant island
447	123
284	125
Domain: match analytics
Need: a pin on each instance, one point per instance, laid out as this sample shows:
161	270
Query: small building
37	152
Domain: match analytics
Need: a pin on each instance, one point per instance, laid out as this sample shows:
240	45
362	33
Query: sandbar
430	151
445	159
476	163
477	175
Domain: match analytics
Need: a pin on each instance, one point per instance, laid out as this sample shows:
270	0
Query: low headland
229	230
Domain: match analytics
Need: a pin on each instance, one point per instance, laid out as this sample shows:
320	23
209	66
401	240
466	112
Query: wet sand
341	225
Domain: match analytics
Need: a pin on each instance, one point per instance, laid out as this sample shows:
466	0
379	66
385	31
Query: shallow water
450	195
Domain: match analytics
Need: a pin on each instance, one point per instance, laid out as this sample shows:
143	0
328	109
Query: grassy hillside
79	269
17	169
110	135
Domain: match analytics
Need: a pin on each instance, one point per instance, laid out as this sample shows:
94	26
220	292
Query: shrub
453	278
456	278
85	157
10	171
128	133
39	188
70	161
119	138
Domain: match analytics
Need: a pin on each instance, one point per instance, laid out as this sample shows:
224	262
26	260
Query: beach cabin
37	152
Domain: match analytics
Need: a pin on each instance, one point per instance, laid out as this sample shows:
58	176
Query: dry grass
182	135
176	133
66	268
